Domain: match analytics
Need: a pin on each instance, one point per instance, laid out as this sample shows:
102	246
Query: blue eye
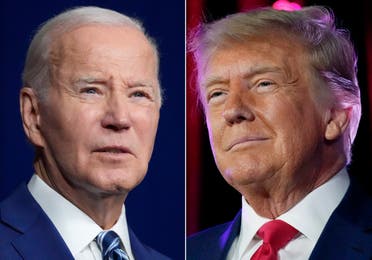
90	91
138	94
141	95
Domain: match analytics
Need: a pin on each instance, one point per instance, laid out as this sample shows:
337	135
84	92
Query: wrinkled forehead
104	51
80	39
254	56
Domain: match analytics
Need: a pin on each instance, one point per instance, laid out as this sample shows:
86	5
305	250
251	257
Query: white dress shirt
309	217
76	228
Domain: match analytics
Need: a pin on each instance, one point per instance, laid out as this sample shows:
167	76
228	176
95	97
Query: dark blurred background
155	209
210	200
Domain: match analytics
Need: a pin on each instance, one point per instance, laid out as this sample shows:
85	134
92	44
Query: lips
245	140
113	149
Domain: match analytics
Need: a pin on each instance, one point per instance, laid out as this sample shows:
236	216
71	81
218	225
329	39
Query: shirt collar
75	227
309	216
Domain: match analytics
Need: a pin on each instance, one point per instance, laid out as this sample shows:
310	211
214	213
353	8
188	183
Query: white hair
36	69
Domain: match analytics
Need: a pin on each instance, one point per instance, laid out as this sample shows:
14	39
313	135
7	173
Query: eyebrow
88	80
213	80
136	84
92	79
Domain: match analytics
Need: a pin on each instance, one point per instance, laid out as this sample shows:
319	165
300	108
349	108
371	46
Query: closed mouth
249	139
113	150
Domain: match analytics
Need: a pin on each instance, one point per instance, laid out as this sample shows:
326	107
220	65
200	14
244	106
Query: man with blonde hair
90	106
282	106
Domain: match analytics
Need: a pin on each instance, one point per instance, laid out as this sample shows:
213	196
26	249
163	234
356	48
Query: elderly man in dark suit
282	106
90	105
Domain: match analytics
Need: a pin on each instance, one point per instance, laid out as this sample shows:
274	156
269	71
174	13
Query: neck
103	209
276	196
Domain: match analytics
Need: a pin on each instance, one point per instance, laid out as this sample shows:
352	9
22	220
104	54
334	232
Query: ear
337	123
30	114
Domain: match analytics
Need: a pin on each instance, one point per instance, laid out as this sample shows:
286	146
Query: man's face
100	117
264	123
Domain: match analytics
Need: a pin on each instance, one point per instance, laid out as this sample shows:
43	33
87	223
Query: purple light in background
286	5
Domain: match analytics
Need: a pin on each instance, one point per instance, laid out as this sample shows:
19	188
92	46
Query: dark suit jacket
347	234
27	233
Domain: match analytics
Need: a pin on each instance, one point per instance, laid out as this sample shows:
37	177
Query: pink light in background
286	5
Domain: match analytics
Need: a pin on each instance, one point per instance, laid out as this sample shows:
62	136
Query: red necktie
275	235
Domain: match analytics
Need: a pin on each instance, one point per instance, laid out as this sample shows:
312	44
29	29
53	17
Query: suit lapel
227	238
348	233
42	241
143	252
38	237
138	249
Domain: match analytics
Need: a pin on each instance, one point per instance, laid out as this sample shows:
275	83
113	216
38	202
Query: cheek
215	132
297	124
56	126
146	124
80	125
285	111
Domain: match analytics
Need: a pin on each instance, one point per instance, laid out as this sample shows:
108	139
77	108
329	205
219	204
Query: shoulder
15	217
207	236
352	217
14	213
142	251
24	225
356	205
354	213
214	242
155	255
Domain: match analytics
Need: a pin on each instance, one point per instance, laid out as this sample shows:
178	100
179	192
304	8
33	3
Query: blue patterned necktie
109	243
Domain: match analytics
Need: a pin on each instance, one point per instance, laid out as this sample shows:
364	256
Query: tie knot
277	233
109	243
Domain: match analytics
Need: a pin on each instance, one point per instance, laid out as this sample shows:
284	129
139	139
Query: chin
117	181
109	189
243	175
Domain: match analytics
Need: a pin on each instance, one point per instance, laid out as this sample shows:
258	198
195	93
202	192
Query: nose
117	114
237	107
